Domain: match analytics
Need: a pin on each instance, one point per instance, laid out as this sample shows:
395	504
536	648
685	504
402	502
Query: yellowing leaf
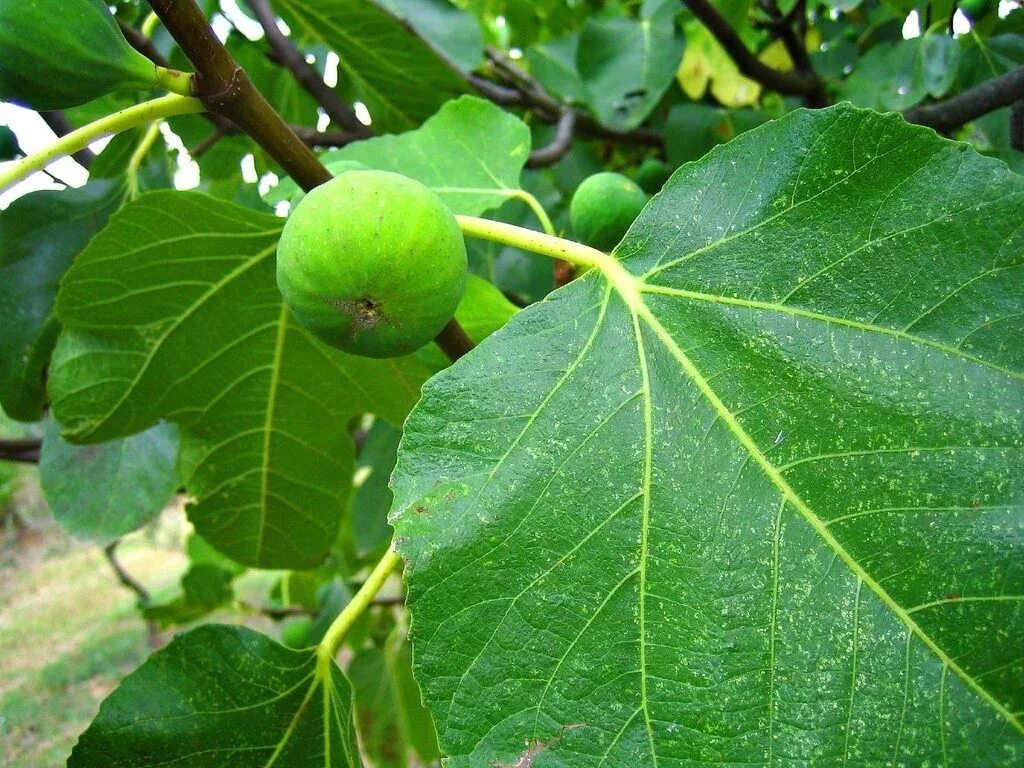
704	62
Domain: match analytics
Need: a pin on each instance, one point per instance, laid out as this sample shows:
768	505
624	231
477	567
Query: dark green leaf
452	31
101	492
204	588
40	234
553	63
627	65
384	64
173	313
224	697
749	493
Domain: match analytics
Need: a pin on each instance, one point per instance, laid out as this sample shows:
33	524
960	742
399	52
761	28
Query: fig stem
363	599
118	122
454	341
174	80
537	242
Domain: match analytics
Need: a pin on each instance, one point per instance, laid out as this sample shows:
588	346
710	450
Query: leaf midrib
631	289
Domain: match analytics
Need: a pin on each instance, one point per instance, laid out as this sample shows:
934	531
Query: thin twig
784	26
141	593
795	83
309	136
129	581
1017	125
291	57
560	144
61	126
948	115
454	341
23	451
526	92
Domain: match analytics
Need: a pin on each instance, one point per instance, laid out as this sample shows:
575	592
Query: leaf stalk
118	122
363	599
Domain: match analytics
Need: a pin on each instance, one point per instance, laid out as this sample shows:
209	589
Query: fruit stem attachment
126	119
174	80
538	242
363	599
454	341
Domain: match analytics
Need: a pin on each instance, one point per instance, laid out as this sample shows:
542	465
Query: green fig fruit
603	207
295	634
373	263
56	54
652	175
9	148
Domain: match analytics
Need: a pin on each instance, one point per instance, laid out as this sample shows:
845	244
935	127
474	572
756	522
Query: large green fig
373	263
56	54
603	207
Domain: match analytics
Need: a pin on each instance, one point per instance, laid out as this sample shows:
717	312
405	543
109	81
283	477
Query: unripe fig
652	175
603	207
56	54
373	263
295	634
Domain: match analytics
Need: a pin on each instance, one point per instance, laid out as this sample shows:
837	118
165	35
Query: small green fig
295	634
652	175
56	54
603	207
373	263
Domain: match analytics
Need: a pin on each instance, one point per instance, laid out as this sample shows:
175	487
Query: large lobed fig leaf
751	494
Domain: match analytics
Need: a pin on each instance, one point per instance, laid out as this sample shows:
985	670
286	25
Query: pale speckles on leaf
804	479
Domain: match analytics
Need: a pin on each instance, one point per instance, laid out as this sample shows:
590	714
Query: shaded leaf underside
752	496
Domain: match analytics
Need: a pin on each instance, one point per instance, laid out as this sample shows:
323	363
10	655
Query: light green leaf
384	64
628	64
471	153
40	234
173	313
751	493
224	697
101	492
